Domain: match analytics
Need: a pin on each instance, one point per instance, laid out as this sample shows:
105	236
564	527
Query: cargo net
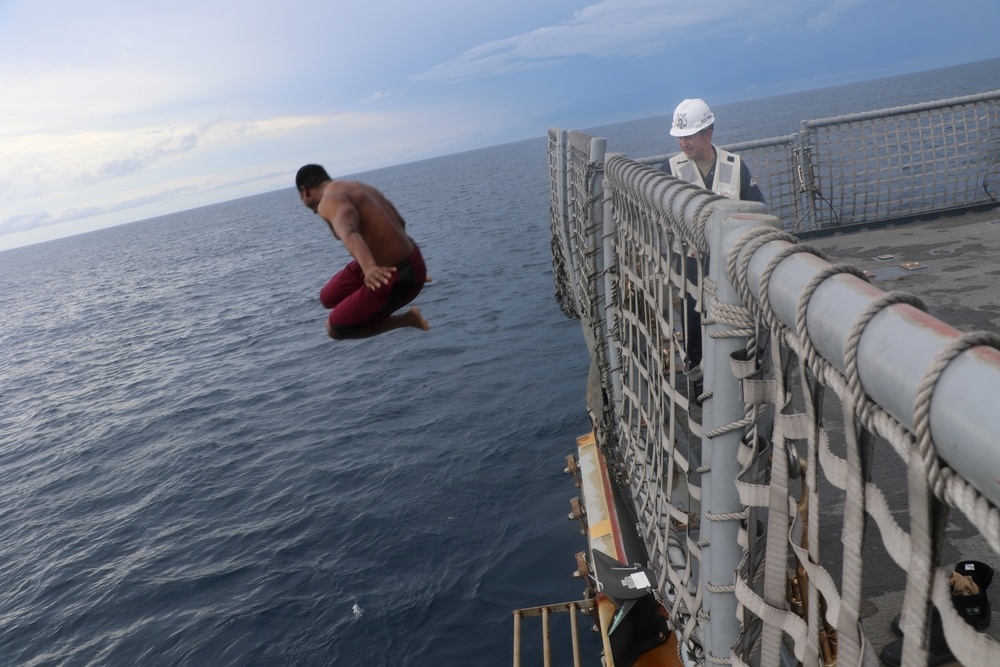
658	273
772	163
905	161
830	459
818	460
562	248
575	237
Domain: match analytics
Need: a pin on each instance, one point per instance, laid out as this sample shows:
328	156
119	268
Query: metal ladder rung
544	611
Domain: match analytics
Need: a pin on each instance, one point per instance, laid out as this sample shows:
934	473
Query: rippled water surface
192	473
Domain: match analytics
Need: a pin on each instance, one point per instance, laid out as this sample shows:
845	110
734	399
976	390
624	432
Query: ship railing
545	612
879	166
795	402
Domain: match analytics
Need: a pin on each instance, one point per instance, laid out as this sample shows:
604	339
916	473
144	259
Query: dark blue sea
192	473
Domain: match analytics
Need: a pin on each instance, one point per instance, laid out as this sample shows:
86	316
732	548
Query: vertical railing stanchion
546	639
721	509
563	169
517	639
807	191
574	631
608	303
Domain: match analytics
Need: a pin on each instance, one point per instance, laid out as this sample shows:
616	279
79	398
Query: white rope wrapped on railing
940	477
811	356
860	400
850	388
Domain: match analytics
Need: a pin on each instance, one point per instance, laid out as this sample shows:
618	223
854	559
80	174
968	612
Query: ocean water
192	473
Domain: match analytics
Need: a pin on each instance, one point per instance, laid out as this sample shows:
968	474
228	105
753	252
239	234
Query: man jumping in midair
388	270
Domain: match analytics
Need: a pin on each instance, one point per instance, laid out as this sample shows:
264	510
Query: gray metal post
604	236
574	221
808	195
721	505
596	195
608	250
562	205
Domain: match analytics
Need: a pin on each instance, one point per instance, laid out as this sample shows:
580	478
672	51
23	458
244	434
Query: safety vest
727	172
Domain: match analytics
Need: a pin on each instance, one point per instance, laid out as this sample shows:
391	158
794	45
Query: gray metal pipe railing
722	509
604	234
559	138
671	197
908	108
895	351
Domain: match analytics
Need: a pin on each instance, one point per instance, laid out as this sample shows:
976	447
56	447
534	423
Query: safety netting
836	493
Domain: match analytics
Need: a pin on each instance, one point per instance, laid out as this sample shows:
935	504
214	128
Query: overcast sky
113	111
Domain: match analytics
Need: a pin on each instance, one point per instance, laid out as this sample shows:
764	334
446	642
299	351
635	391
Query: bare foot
416	320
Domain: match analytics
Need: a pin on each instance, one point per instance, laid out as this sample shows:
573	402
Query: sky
113	111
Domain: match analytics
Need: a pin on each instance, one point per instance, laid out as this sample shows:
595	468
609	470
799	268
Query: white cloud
54	179
628	28
606	29
830	12
113	105
380	95
44	168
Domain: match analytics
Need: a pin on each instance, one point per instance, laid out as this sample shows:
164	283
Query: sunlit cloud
91	173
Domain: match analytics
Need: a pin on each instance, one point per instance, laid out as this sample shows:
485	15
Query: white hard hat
691	117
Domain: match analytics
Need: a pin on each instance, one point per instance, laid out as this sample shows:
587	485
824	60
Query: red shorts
356	307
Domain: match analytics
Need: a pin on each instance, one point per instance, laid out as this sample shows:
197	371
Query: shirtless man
388	270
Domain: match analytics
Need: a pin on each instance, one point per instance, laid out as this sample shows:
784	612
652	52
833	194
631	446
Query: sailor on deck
703	163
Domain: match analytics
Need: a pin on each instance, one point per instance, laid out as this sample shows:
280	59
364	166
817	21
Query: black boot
975	609
938	652
897	625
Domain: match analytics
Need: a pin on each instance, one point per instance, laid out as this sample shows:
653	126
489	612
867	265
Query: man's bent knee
333	332
344	331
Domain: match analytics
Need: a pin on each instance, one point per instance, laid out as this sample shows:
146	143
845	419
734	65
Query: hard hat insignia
680	121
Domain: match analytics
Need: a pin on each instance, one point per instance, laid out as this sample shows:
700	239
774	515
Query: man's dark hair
310	176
